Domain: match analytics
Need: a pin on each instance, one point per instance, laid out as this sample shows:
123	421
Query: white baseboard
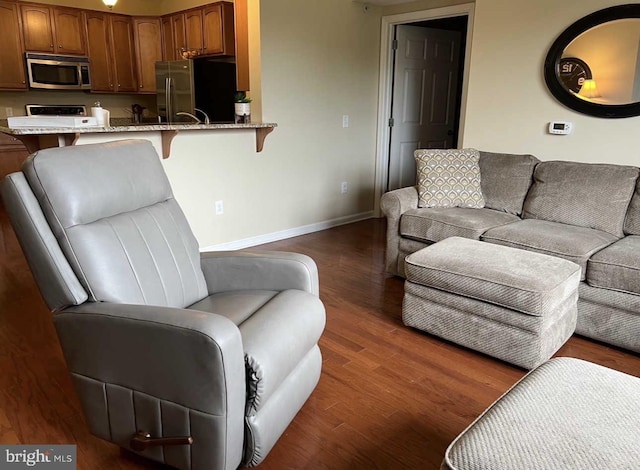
289	233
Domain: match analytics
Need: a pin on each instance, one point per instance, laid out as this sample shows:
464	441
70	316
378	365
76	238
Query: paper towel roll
98	113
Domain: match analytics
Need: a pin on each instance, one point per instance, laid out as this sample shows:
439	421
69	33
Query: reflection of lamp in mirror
589	89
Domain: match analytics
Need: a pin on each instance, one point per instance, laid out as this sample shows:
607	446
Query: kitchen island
35	138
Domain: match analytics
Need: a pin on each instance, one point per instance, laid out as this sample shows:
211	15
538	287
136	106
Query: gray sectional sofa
586	213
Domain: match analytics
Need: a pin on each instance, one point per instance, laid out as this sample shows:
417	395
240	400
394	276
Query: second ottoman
515	305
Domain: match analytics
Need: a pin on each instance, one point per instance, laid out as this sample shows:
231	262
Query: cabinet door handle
60	46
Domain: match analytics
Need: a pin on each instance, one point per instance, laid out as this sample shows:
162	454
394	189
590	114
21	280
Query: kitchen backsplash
118	104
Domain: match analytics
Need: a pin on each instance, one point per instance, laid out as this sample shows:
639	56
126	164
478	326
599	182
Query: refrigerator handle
167	98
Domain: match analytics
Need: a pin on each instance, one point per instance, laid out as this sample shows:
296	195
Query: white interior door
426	74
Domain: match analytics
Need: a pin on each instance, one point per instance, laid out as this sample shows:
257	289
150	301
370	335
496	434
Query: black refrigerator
185	86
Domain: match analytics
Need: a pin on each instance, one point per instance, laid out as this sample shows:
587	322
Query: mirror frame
551	76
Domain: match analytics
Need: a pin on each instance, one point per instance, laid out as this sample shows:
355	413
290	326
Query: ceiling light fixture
110	3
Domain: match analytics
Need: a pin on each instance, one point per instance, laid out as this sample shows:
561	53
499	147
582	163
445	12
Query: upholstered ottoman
515	305
566	414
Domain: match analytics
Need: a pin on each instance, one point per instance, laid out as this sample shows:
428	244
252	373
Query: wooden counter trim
167	138
32	138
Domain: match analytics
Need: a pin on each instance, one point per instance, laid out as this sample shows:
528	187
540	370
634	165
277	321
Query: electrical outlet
219	208
345	120
344	187
8	111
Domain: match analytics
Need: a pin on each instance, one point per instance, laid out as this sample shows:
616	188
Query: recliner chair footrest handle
142	440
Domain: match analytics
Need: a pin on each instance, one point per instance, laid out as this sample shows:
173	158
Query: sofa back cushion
632	223
587	195
505	180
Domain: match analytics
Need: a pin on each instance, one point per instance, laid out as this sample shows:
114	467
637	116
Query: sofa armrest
191	358
263	270
393	205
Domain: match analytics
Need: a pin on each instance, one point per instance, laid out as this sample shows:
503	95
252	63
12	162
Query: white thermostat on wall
559	127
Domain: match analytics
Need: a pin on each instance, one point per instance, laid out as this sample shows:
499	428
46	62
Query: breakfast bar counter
36	138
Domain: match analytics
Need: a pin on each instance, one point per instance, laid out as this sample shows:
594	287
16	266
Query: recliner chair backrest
113	215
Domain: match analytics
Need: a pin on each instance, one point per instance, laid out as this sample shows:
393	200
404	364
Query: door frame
385	82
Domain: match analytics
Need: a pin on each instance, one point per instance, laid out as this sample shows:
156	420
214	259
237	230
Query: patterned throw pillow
449	178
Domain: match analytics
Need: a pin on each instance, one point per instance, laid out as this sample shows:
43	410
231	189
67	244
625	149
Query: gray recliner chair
197	360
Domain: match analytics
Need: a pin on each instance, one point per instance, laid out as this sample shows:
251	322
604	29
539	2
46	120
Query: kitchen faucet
198	121
206	116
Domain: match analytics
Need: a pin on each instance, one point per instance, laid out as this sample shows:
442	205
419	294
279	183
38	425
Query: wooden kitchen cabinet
12	154
56	30
182	31
193	32
111	52
97	25
205	31
179	34
168	43
148	42
218	29
124	56
12	73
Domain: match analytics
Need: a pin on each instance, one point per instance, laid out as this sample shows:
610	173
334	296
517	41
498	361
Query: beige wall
509	106
319	62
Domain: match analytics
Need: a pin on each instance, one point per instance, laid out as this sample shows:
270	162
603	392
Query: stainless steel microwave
55	72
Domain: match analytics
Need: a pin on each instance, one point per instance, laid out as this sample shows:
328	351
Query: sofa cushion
437	223
587	195
573	243
617	267
448	178
632	222
527	282
505	180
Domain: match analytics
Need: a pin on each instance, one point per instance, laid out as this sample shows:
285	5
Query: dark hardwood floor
389	397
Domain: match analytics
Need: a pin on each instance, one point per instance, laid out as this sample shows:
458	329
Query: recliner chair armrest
263	270
187	357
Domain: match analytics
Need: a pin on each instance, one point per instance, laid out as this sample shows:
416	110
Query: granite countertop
125	125
29	135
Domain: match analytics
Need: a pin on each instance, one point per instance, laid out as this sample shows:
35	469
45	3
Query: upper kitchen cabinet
202	31
193	32
173	36
111	52
147	35
218	29
12	73
168	43
56	30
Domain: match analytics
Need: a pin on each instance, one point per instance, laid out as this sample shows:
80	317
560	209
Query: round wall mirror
594	65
